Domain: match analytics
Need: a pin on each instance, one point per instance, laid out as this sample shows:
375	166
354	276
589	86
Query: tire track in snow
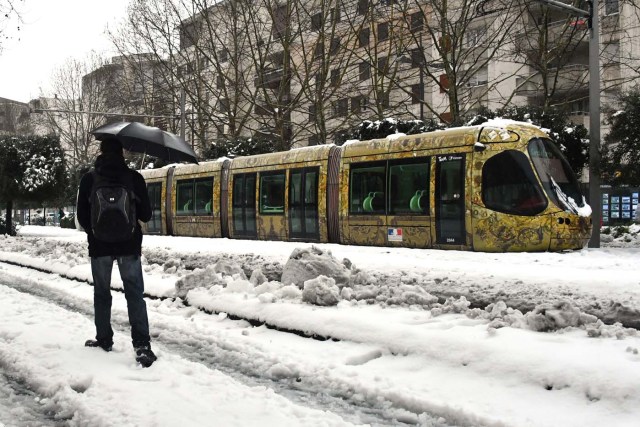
311	386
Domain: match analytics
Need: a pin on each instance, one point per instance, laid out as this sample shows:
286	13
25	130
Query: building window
383	65
277	59
363	37
318	51
335	46
335	77
335	15
383	99
312	113
188	35
359	104
261	110
416	94
364	70
475	36
223	105
363	7
479	78
611	7
417	58
383	31
223	55
341	107
314	140
203	63
417	22
280	21
316	22
219	81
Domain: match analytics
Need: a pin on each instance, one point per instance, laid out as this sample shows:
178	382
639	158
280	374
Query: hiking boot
145	356
106	346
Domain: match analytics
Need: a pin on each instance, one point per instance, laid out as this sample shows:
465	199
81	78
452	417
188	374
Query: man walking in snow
111	200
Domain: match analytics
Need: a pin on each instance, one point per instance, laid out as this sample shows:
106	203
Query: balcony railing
568	78
558	31
269	78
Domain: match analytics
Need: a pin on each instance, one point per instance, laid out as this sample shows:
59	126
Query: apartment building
127	88
308	72
14	117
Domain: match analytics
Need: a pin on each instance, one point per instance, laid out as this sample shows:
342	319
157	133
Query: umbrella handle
142	162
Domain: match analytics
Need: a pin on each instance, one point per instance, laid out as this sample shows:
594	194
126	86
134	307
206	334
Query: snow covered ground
420	337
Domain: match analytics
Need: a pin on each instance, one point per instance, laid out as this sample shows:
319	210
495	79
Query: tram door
244	205
449	195
155	197
303	204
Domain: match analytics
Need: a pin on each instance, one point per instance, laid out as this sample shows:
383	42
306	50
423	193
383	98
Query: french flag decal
394	234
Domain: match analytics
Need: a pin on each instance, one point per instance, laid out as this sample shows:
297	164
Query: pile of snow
309	263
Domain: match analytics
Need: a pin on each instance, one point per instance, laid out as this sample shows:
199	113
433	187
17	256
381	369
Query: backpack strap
126	180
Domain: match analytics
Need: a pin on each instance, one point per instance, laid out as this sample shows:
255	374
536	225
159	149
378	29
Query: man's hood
110	165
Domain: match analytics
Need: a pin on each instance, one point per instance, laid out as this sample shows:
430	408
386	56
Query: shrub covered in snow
621	236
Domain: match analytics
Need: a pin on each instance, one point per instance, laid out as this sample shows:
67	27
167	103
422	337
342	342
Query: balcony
269	78
574	29
573	77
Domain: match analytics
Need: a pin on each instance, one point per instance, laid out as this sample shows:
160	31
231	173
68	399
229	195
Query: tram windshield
558	179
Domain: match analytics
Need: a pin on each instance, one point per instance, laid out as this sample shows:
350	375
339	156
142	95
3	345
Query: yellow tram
494	188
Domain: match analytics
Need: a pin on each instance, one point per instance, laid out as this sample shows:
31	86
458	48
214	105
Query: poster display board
619	205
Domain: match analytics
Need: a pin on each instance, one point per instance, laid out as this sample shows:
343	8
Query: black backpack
113	208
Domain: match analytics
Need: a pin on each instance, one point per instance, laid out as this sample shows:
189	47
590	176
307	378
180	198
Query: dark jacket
112	165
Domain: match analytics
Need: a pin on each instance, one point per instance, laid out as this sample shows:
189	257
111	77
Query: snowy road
395	355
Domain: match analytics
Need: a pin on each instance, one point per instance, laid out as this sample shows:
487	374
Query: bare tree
327	68
9	11
552	46
74	91
458	47
200	52
148	40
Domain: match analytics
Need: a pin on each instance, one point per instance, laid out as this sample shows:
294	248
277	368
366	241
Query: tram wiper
569	204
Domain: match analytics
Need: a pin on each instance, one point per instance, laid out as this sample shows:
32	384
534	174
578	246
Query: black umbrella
149	140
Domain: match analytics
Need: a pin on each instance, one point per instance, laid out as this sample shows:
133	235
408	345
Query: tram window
184	197
552	167
510	186
295	193
155	197
272	193
409	187
204	196
194	196
311	202
366	188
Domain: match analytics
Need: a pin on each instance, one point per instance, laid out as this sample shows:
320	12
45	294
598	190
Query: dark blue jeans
131	274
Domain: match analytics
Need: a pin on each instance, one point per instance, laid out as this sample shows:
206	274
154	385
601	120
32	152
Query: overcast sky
51	32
